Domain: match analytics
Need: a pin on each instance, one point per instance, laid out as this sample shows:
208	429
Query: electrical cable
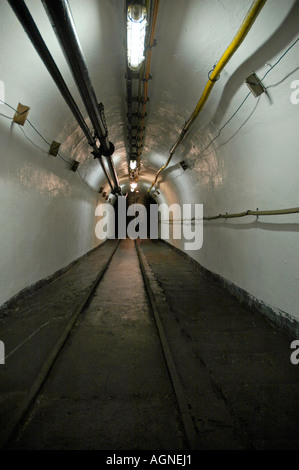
224	125
244	29
242	103
59	154
233	115
243	124
34	128
31	141
81	176
4	115
257	213
280	58
41	136
8	105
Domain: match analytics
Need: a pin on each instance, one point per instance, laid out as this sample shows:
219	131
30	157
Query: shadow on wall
276	43
168	171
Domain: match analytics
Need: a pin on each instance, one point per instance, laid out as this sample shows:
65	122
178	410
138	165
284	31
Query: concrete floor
235	365
109	387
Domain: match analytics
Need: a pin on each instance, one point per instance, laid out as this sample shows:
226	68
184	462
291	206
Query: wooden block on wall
75	166
21	114
54	147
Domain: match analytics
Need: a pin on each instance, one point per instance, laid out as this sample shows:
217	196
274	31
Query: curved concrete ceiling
191	37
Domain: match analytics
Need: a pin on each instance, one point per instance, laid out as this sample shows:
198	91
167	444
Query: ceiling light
136	27
133	164
133	186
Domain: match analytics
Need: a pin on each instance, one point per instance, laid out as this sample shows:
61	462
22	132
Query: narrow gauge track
86	369
77	392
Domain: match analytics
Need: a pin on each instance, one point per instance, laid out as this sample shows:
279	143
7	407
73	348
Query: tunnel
149	226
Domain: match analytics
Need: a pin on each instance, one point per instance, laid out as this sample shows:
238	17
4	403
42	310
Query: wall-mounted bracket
75	166
54	148
147	79
21	114
155	43
184	165
255	85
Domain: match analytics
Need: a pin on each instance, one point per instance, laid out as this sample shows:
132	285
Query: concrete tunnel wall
48	212
253	164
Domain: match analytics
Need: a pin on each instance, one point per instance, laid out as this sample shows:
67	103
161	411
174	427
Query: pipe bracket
211	79
107	152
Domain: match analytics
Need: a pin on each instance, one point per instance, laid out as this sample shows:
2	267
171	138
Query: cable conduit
292	210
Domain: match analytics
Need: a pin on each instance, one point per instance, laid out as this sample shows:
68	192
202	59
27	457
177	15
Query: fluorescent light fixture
136	28
133	186
133	164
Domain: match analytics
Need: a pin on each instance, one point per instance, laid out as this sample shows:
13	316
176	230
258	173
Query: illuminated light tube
133	164
136	28
133	186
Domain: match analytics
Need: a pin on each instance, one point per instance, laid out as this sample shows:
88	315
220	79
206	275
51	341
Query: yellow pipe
236	42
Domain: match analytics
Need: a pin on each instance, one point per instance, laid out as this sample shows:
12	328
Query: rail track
137	350
156	302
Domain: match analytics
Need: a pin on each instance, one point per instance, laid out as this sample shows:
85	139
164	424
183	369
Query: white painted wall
254	164
47	213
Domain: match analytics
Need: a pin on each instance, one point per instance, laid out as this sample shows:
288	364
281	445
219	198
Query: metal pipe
292	210
22	13
100	158
248	21
113	174
63	25
234	45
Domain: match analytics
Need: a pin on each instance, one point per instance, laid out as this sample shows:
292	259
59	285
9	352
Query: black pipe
114	174
100	158
25	18
63	24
